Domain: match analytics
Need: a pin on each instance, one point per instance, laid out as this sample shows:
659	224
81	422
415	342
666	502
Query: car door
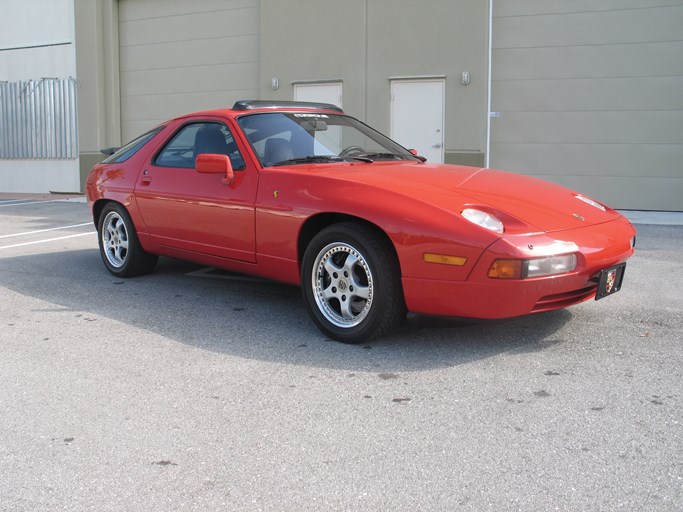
199	212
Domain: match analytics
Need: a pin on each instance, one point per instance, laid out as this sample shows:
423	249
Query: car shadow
262	320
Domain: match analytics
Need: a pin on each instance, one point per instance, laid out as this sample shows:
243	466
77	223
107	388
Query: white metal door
322	93
417	116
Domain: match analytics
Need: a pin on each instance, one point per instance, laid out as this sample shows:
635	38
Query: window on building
38	119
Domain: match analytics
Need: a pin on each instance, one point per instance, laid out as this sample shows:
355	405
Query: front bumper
597	247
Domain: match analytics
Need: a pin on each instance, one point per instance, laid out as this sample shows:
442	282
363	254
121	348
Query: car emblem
577	216
609	283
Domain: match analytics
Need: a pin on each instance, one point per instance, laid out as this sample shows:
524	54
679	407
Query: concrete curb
654	218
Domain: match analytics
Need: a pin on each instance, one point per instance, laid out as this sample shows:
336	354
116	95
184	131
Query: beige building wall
590	95
178	56
585	93
365	43
313	41
97	65
433	38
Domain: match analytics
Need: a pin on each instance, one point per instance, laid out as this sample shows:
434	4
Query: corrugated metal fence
38	119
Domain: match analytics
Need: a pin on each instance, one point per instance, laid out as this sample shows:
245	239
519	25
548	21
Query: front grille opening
563	300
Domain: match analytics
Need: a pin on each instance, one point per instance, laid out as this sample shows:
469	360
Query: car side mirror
215	164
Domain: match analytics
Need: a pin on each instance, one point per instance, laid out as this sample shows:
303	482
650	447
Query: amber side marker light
443	259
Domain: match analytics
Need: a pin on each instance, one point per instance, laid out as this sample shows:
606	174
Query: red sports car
304	194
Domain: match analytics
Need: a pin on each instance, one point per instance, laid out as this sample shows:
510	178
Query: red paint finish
255	223
598	247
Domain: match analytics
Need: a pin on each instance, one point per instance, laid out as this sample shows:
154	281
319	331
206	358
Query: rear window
132	147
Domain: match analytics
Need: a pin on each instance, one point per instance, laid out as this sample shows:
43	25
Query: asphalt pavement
196	390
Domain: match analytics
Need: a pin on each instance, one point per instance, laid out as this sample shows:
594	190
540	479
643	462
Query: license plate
610	281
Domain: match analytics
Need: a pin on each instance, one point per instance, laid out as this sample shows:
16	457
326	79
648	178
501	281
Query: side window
196	139
179	152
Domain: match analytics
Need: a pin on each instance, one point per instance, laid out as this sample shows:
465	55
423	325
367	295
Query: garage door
588	94
178	57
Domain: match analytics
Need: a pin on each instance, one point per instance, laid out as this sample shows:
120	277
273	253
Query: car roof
272	104
259	106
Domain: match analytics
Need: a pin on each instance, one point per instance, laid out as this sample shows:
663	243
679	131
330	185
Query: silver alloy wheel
115	239
342	285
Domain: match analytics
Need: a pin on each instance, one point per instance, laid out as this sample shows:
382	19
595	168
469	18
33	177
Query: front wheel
120	248
351	283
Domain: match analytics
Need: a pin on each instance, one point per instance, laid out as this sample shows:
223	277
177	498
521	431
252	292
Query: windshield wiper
393	156
310	159
323	159
362	158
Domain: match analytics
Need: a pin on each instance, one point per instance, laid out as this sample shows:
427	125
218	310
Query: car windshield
280	138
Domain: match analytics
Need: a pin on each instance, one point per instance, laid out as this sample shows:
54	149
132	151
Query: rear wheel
120	248
351	283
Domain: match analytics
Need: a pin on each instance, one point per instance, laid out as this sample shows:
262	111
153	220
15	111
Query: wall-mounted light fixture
275	83
465	78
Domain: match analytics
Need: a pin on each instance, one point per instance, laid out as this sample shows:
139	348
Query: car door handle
146	178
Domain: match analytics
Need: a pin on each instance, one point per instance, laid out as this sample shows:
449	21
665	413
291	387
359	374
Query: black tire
351	283
120	248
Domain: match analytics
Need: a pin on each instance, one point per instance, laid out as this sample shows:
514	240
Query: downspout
488	99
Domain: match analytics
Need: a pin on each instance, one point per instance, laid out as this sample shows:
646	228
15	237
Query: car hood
541	205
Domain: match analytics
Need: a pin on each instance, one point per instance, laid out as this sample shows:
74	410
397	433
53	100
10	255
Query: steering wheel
351	150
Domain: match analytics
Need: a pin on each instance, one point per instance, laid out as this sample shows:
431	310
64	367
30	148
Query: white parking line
2	205
47	240
45	230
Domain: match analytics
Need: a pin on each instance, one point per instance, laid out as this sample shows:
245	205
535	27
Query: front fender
414	226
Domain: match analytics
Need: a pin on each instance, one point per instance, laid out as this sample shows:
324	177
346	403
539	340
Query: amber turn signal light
506	269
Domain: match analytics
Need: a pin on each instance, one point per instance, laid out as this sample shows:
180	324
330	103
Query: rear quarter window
132	147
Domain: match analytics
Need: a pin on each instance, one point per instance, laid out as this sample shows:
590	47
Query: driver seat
210	139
